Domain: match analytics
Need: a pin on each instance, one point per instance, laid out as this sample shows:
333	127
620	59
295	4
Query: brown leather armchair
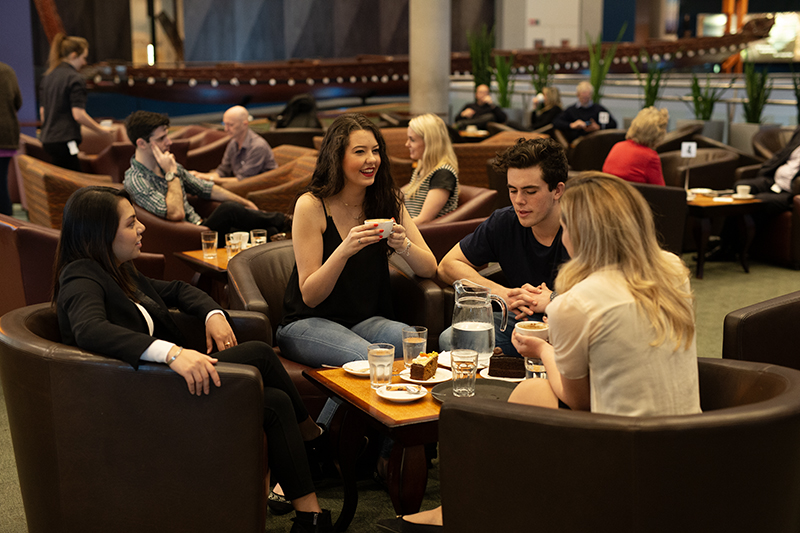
47	188
441	238
590	151
777	239
593	472
472	159
112	161
100	446
257	280
280	198
301	167
473	202
673	139
766	332
29	252
297	136
769	141
706	142
286	153
93	142
206	150
712	168
668	205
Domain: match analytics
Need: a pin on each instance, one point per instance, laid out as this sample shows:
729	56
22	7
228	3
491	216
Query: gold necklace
348	211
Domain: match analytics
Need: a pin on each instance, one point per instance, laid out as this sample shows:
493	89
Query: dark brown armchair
769	141
302	167
257	280
29	253
100	446
712	168
593	472
280	197
112	161
297	136
668	205
441	238
590	151
206	150
766	332
473	202
673	139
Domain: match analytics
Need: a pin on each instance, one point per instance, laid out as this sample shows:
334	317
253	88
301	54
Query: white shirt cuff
157	352
212	313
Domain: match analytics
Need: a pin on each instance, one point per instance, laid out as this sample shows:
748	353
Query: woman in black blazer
105	306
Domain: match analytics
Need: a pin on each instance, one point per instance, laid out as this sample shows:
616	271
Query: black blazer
771	165
95	314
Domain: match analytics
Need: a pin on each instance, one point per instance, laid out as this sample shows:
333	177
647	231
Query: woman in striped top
433	189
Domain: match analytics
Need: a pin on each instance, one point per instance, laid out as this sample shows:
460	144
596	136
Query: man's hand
166	160
468	113
528	300
486	100
578	125
593	126
208	176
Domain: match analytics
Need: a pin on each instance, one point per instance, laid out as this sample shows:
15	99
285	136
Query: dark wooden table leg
347	436
747	229
702	231
407	477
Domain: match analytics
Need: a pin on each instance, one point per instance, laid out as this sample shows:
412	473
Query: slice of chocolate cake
506	366
423	367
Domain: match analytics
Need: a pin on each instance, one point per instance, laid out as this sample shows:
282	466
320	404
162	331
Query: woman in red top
635	159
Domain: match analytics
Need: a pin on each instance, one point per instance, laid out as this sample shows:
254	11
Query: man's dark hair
547	154
141	124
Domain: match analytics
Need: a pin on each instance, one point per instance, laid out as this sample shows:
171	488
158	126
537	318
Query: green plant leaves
599	63
505	83
758	86
481	44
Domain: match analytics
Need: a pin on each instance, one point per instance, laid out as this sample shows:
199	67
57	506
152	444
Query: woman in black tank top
338	299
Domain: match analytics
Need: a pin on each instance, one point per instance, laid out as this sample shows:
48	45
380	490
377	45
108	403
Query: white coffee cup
533	329
385	224
243	237
742	190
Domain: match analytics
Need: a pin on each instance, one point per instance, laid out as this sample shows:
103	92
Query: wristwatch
169	176
553	295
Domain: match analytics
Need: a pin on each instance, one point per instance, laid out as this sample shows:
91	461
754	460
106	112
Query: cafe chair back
733	468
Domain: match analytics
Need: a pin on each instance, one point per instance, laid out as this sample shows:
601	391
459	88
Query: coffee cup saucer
742	196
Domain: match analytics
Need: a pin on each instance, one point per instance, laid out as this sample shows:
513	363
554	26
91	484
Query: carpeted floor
725	288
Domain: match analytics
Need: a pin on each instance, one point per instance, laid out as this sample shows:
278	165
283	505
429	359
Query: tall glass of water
464	364
381	358
258	236
208	240
415	341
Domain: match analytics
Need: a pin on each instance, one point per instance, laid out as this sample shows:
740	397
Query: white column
429	56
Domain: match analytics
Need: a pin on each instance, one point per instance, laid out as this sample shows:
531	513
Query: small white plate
401	396
357	368
485	374
700	190
441	375
444	360
742	196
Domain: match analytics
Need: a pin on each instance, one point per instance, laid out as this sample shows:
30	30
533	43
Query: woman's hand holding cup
397	239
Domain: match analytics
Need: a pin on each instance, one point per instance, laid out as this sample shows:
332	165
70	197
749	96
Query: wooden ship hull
373	75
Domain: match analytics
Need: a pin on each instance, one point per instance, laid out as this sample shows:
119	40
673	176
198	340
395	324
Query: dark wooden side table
212	274
410	425
705	208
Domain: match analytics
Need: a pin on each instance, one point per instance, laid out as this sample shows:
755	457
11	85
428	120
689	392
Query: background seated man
159	184
583	116
524	238
247	155
481	112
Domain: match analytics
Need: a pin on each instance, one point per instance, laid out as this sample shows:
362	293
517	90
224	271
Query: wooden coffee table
704	208
212	274
410	425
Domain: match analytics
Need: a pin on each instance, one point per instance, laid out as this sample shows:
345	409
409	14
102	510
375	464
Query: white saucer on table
441	375
485	374
701	190
357	368
401	396
444	360
742	196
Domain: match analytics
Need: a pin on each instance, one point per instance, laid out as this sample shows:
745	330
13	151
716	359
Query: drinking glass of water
258	236
464	364
380	357
415	341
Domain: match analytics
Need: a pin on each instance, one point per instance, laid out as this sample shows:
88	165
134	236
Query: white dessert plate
701	190
441	375
401	396
444	360
485	374
357	368
742	196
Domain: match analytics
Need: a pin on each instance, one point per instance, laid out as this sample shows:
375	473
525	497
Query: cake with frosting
423	367
506	366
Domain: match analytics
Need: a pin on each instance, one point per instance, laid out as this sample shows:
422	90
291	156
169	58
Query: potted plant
542	73
796	82
505	86
481	44
651	84
600	62
757	86
703	101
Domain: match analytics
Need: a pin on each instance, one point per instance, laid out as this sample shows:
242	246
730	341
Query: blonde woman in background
549	111
62	101
433	189
635	158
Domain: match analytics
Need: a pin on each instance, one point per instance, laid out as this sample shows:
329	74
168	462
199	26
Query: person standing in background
10	102
62	101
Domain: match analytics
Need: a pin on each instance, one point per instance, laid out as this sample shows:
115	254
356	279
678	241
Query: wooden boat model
373	75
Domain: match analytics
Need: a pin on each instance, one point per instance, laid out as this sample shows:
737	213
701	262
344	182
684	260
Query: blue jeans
501	338
317	341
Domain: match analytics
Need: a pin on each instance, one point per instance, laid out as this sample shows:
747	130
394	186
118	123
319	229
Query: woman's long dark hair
88	228
383	199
